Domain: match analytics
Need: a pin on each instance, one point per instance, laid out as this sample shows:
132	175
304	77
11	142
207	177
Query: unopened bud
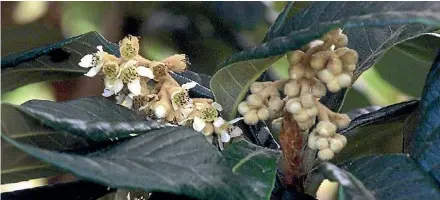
254	100
326	154
334	65
256	87
293	106
326	128
263	113
342	41
342	121
344	80
333	86
292	88
243	108
276	104
318	89
322	143
350	57
312	44
341	51
309	73
307	100
301	117
336	145
326	76
251	117
295	56
313	111
319	60
208	129
341	138
177	62
349	68
296	71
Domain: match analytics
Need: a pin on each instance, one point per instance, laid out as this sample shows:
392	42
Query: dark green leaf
377	132
77	190
94	118
279	22
425	149
17	165
176	160
394	176
230	84
54	62
352	187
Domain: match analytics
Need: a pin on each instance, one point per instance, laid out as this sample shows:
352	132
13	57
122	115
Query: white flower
226	130
125	100
93	61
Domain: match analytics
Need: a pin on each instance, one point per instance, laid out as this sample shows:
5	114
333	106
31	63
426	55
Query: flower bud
110	69
342	41
350	57
342	121
162	108
326	76
341	138
129	47
263	113
295	56
309	73
326	128
326	154
251	117
333	86
341	51
319	60
319	89
307	100
312	44
305	125
256	87
177	62
334	65
254	100
293	106
301	117
311	142
276	104
243	108
349	68
292	88
344	80
322	143
312	112
296	71
336	145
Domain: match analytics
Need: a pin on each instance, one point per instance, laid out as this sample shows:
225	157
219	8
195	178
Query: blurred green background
208	32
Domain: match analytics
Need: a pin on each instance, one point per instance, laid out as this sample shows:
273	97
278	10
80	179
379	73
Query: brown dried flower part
129	47
177	62
159	69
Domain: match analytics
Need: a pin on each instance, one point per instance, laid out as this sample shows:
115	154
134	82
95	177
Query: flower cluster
147	86
320	66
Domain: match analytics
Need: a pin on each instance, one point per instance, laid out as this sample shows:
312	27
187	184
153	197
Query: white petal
236	132
143	107
93	71
220	144
107	93
183	122
218	122
135	87
189	85
86	61
120	98
235	120
160	111
217	106
144	71
186	112
99	48
225	137
128	102
109	83
118	85
129	63
199	124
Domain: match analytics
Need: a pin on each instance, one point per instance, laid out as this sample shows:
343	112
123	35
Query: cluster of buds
147	86
320	66
263	103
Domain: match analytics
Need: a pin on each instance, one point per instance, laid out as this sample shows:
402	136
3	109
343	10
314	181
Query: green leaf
352	187
19	166
279	22
54	62
95	118
377	132
425	149
231	83
176	160
393	177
